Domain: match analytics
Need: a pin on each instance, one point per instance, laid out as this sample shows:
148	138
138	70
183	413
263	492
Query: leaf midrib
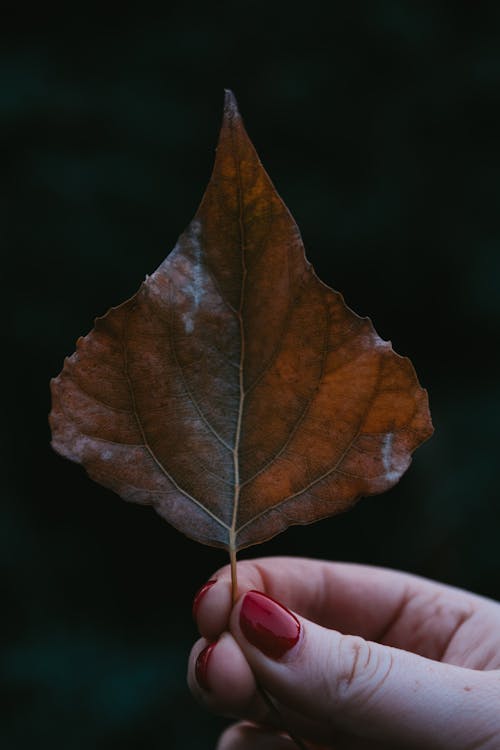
241	403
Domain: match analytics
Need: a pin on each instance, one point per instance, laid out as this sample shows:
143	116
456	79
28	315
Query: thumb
346	684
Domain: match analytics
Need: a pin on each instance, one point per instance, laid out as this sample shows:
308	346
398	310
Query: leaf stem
234	574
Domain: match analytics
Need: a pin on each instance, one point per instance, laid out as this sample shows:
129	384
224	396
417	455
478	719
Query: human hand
370	659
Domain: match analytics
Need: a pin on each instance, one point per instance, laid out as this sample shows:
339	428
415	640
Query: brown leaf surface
235	392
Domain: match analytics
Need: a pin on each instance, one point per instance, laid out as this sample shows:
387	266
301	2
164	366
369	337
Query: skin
384	660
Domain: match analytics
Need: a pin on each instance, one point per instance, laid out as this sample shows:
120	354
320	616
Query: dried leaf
235	392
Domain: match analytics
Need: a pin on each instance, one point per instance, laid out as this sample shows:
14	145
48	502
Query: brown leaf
235	392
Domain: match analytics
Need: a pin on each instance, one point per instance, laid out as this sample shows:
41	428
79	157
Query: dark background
379	124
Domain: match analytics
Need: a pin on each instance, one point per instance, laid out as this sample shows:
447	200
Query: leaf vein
99	401
145	440
192	398
301	416
217	286
328	473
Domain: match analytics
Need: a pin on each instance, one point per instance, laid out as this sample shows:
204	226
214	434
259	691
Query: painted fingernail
201	666
267	625
200	594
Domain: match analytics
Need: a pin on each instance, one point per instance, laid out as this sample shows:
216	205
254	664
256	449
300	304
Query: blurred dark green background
379	123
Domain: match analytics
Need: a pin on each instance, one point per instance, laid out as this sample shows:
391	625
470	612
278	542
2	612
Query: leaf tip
231	110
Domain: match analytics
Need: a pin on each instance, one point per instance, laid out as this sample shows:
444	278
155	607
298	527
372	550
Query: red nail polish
200	594
201	666
267	625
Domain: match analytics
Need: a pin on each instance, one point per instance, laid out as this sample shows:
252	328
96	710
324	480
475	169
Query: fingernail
201	666
200	594
267	625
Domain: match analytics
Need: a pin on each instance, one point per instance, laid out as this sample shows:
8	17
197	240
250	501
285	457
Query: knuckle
354	656
437	618
362	669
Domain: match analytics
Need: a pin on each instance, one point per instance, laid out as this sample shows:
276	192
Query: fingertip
212	607
201	667
192	681
199	596
219	676
265	624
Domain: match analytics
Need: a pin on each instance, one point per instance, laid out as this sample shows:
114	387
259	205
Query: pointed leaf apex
231	110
